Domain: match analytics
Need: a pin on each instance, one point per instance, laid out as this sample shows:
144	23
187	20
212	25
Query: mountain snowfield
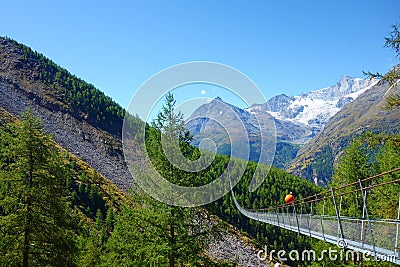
315	108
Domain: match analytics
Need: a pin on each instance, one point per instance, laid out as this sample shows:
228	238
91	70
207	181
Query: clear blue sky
283	46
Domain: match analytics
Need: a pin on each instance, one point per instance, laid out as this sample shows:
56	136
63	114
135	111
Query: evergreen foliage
35	222
368	155
155	234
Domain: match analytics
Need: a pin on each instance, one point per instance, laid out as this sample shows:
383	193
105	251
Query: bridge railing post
322	222
301	214
309	218
288	217
396	245
362	223
277	216
297	219
340	207
364	196
265	214
340	228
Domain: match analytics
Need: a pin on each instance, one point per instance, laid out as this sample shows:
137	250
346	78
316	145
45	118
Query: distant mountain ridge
297	119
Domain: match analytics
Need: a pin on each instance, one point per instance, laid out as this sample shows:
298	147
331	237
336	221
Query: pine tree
171	137
171	126
91	254
35	224
354	164
169	235
110	218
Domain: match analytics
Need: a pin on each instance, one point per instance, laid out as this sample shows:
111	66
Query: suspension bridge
319	216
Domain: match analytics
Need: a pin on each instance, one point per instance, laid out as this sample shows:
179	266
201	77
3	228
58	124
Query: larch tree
35	225
152	233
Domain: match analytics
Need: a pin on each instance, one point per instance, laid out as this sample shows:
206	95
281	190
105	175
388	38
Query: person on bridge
289	198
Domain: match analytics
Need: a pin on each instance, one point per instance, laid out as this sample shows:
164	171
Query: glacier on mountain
315	108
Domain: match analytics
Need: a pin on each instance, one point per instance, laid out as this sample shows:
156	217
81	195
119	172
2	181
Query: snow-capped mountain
315	108
367	113
297	119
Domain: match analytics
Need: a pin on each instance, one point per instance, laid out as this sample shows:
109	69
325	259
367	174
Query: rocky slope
20	88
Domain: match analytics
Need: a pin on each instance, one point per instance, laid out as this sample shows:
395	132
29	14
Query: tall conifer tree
34	215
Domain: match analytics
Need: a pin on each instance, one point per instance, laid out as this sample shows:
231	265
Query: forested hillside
21	88
271	192
59	87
